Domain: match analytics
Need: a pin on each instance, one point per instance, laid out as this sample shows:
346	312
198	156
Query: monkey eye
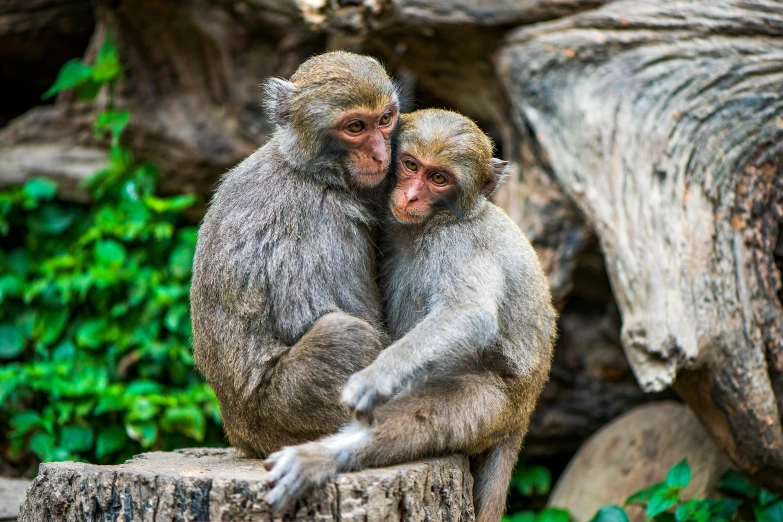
385	119
439	179
355	127
411	165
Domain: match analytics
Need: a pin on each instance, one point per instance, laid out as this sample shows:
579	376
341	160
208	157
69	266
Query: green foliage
94	317
662	501
545	515
532	480
610	514
86	79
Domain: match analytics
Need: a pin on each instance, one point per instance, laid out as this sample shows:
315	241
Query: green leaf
770	513
107	63
12	340
679	476
109	402
521	516
42	445
142	409
76	438
52	219
10	286
661	500
64	351
610	514
111	121
529	480
664	517
26	421
71	74
692	511
181	263
767	497
110	253
190	421
90	333
723	507
173	204
142	387
109	440
644	495
733	481
20	262
146	433
40	189
49	324
553	515
88	89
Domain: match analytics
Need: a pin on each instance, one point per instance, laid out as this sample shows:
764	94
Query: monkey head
336	116
443	165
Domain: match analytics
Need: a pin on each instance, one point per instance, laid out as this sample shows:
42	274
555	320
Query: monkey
470	313
284	297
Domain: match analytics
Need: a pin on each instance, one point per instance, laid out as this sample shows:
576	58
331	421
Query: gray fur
276	252
470	311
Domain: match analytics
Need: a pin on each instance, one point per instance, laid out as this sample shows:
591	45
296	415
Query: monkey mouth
403	216
370	178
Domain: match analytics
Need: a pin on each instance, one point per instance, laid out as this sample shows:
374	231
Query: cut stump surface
218	484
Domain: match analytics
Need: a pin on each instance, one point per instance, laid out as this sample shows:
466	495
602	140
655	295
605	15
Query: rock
219	485
11	495
636	450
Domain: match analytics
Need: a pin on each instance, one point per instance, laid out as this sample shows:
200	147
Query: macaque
285	302
470	314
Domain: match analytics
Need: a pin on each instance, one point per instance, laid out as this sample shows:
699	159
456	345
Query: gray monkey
285	304
470	312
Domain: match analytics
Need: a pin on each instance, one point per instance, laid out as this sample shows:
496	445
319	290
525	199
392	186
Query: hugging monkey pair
437	340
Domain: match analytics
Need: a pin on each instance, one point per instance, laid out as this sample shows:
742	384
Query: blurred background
646	144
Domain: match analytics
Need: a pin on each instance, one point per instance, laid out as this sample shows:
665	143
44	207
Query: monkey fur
469	310
285	303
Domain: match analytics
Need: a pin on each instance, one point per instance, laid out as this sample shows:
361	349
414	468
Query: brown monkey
284	299
470	309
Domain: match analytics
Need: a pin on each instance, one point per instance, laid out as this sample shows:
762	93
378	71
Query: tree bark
663	122
217	485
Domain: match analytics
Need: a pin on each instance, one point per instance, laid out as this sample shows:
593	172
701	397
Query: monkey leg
469	413
299	398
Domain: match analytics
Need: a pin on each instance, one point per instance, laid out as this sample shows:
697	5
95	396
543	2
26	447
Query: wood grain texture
217	485
657	118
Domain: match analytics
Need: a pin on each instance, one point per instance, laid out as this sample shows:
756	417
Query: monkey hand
294	471
365	390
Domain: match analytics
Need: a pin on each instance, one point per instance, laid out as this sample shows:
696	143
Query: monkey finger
367	403
285	493
271	460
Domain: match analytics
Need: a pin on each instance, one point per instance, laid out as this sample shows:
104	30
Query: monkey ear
500	171
278	94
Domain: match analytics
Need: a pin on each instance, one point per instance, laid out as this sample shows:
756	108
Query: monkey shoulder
279	244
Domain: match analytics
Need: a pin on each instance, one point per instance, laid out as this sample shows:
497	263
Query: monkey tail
492	475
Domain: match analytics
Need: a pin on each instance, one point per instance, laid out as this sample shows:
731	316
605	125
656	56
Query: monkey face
444	161
365	135
422	186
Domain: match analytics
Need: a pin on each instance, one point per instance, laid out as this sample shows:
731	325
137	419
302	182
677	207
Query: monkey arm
447	340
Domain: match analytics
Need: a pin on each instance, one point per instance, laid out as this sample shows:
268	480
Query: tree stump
219	485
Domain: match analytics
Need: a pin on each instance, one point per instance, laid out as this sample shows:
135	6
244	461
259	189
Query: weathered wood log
192	79
217	485
663	121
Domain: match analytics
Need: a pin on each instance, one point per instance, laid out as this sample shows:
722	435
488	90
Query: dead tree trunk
664	122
